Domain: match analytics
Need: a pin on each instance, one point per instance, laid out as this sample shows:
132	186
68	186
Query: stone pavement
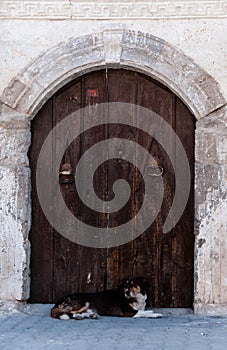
34	329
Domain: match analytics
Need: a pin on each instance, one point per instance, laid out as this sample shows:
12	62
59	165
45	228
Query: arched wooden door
58	266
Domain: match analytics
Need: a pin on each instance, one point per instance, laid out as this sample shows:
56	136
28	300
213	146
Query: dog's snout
127	292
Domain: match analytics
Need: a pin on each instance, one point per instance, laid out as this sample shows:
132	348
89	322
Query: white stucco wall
198	28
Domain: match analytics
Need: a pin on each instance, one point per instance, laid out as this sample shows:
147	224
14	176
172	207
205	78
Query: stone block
211	139
14	146
211	258
14	227
15	139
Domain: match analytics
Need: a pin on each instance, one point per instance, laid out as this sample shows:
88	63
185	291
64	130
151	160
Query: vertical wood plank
41	234
157	264
121	88
93	259
184	260
66	260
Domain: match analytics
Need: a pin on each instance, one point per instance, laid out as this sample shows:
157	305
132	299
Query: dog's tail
56	313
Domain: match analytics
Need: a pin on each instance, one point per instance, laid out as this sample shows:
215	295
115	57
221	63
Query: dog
128	300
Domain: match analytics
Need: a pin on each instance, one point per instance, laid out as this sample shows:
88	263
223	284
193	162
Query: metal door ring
151	170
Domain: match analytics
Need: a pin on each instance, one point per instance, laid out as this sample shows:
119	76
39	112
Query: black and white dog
129	300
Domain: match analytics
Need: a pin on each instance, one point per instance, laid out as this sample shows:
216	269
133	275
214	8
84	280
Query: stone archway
114	48
152	56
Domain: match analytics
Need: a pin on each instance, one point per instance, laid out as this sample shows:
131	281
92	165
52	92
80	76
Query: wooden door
58	266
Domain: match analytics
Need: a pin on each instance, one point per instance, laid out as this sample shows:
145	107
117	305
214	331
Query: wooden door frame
154	57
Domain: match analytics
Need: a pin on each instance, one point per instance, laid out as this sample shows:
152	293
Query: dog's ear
122	283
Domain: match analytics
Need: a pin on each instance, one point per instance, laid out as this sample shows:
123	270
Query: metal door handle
66	174
154	170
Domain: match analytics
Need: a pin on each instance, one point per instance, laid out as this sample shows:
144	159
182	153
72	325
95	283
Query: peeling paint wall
211	213
14	214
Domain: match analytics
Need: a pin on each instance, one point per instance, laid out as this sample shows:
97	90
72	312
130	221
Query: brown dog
129	300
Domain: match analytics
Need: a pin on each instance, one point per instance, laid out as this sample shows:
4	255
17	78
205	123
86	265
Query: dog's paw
91	314
147	314
64	317
94	316
85	315
155	315
78	317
